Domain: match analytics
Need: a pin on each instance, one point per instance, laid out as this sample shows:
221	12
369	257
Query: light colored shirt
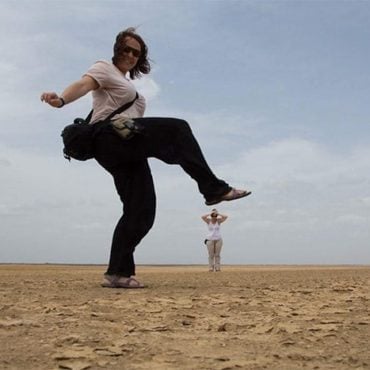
114	91
214	231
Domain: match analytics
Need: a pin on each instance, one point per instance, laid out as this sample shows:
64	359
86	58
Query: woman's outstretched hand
52	99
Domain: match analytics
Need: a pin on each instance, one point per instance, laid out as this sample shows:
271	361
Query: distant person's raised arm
205	218
221	218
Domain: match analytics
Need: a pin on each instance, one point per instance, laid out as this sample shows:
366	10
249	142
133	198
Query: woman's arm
222	218
205	218
73	92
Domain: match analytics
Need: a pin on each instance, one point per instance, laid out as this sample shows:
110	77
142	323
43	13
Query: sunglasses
128	49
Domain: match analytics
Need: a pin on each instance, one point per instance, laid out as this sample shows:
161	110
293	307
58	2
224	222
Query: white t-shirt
214	231
114	91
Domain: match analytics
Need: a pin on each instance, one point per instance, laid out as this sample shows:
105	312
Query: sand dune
246	317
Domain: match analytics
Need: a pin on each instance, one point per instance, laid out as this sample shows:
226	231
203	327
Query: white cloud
354	219
147	87
297	201
297	161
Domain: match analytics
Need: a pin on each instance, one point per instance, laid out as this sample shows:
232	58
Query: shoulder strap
117	111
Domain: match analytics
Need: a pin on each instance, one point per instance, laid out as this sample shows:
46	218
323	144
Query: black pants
167	139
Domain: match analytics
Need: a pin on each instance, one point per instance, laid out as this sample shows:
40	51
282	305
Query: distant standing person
214	239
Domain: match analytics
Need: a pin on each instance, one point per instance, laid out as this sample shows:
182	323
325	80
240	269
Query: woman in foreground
167	139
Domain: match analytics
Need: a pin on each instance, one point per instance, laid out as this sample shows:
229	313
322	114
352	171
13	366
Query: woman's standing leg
211	254
126	162
135	187
218	247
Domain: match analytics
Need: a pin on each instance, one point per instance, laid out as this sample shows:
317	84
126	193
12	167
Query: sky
277	95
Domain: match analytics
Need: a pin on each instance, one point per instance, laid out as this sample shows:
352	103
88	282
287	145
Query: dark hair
142	65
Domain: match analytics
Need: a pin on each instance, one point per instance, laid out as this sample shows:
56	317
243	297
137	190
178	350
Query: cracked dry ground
248	317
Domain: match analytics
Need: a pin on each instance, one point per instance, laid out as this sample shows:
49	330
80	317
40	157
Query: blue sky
275	91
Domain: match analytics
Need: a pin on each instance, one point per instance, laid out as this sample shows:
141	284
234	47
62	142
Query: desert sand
245	317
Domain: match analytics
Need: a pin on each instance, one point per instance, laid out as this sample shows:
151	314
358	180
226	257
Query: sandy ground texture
248	317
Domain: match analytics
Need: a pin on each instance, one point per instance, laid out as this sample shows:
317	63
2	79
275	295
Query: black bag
78	138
